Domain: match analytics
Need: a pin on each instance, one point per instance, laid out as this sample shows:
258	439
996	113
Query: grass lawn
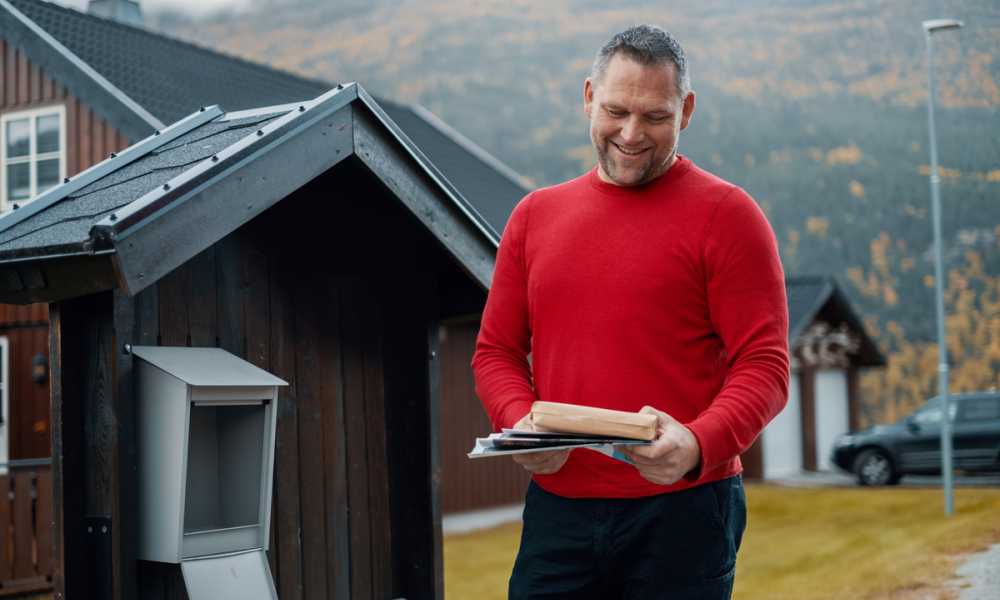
801	544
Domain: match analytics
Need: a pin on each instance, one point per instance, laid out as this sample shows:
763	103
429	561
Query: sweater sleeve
500	363
749	311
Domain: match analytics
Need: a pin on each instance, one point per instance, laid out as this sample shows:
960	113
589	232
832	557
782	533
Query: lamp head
941	25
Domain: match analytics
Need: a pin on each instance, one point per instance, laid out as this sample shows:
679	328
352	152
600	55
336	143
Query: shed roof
153	79
210	367
139	214
818	297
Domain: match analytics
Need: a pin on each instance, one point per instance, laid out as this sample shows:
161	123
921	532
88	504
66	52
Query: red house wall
89	139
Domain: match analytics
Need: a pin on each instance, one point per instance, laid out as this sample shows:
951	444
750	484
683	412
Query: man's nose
632	131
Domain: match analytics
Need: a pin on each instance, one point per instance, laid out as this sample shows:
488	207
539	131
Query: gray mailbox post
206	423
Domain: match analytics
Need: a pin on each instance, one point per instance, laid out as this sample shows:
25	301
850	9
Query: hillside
815	107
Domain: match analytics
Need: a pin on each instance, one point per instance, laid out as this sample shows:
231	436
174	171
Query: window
930	414
32	153
981	409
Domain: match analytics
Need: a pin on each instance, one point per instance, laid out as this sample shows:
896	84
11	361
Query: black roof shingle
171	79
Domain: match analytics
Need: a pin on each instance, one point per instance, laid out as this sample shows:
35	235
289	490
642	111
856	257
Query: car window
980	409
930	414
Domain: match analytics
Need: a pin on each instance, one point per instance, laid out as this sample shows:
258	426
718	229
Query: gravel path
979	575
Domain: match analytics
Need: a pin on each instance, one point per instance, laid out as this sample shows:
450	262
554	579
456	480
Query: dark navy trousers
676	546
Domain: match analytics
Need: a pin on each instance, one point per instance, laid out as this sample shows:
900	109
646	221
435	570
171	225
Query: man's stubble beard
651	172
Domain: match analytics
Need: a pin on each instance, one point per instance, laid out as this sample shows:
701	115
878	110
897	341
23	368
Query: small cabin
830	348
314	241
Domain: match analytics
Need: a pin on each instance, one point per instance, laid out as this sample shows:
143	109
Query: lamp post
931	27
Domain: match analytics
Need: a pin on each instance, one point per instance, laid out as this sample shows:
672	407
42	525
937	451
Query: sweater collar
681	166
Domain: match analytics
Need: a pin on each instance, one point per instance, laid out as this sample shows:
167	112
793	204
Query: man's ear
588	96
687	110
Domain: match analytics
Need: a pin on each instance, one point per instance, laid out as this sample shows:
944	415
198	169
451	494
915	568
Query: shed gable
142	213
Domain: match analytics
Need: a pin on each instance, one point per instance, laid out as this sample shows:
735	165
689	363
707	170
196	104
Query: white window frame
33	157
5	403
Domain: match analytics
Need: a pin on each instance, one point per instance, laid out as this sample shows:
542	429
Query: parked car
883	454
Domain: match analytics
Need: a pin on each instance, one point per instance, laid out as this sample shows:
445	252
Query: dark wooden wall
807	404
334	290
854	408
469	484
24	86
753	461
27	331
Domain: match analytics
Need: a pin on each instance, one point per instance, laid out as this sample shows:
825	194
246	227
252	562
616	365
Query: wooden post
94	520
124	513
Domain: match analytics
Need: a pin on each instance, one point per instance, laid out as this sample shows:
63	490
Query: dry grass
802	544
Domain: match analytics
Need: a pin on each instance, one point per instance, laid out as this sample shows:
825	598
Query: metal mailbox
206	425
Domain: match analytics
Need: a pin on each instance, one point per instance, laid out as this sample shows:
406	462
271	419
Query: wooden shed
315	241
830	348
106	84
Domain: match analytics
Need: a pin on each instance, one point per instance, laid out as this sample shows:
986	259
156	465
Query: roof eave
54	277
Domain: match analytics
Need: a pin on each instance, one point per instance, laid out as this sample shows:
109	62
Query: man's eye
657	119
616	113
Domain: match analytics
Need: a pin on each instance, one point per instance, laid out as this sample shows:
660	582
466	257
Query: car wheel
873	467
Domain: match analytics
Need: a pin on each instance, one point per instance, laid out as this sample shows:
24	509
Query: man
644	285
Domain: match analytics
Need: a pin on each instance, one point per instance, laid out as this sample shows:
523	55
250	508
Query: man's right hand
545	462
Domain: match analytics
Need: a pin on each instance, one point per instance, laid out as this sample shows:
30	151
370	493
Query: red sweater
669	294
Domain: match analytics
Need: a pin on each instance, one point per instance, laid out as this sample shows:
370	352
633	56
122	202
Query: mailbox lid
240	576
206	366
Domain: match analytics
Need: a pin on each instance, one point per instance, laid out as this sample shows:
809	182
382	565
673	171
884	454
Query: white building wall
832	413
782	439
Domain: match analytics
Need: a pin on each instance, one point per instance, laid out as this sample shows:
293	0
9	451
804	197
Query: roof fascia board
51	279
114	162
218	195
423	195
124	113
471	147
416	154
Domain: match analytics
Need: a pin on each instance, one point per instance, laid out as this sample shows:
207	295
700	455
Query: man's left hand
670	456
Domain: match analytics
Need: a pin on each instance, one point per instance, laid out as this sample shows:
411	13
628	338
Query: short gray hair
647	45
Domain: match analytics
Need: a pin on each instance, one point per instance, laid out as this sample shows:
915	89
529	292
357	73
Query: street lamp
931	27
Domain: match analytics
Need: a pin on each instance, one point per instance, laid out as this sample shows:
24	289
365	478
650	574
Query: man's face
636	118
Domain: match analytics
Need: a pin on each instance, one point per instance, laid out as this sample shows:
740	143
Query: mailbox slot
223	491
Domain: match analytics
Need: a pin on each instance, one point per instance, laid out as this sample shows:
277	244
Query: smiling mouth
629	152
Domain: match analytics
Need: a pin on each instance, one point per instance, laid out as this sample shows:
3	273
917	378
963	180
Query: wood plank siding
333	290
28	401
753	460
469	484
807	399
26	328
89	139
26	557
25	86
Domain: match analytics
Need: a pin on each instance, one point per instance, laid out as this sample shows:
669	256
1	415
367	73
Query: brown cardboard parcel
573	418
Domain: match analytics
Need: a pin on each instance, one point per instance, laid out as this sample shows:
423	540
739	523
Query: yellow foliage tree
972	323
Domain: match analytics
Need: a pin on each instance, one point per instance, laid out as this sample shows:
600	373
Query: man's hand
672	454
545	462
